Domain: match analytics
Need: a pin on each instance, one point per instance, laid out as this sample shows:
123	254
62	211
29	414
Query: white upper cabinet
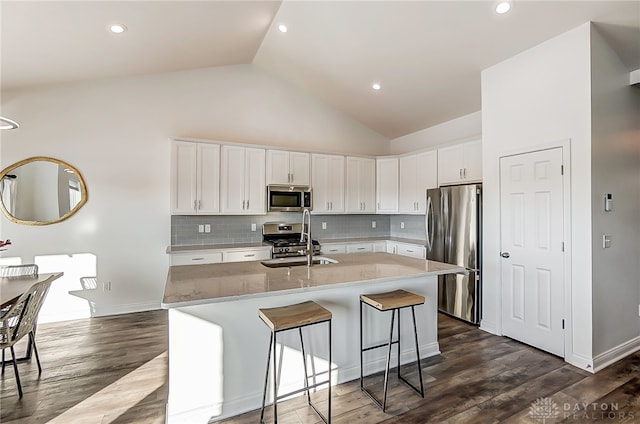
387	185
287	167
461	163
361	185
243	184
418	172
195	178
327	179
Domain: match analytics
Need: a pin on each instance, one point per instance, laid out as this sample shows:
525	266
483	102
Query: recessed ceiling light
117	28
376	86
503	7
282	28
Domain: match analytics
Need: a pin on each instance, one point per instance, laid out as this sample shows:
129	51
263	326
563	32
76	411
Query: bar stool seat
290	317
390	301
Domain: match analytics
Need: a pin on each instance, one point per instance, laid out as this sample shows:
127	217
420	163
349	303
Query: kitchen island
218	345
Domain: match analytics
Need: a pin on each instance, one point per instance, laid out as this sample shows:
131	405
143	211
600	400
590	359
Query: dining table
11	288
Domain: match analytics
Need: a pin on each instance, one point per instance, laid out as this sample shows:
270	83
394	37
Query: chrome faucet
309	250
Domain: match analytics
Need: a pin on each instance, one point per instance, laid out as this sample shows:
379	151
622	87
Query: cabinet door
299	168
387	185
255	187
232	180
473	161
336	183
333	248
368	185
352	185
426	178
320	182
411	250
208	186
359	247
392	247
328	183
407	198
277	167
183	177
450	164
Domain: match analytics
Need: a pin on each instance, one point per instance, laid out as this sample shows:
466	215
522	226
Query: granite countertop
201	284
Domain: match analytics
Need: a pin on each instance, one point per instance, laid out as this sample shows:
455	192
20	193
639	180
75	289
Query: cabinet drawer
329	249
413	251
246	255
196	258
359	247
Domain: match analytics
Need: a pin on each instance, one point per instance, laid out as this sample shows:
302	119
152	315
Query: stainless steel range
285	239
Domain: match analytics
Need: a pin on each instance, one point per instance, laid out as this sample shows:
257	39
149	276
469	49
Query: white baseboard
607	358
580	361
489	327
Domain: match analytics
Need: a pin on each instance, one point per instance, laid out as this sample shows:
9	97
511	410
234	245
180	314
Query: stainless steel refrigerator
453	226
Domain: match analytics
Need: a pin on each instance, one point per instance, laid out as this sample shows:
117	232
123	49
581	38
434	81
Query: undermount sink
297	261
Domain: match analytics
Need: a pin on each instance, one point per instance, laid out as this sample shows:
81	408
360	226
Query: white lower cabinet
359	247
333	248
406	249
195	258
219	256
245	255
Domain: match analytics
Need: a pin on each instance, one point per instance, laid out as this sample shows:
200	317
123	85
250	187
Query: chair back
21	317
12	271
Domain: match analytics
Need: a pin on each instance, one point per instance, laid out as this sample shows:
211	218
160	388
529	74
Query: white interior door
531	214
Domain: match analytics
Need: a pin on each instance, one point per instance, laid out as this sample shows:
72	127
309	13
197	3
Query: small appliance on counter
285	239
453	227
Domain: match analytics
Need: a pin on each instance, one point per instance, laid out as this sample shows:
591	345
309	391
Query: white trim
580	361
489	327
565	146
612	355
634	77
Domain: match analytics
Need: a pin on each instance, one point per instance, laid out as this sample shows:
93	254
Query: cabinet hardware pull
250	256
465	172
194	205
327	205
247	205
409	250
197	259
199	204
243	205
460	173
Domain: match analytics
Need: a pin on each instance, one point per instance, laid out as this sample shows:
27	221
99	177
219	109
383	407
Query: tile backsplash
227	229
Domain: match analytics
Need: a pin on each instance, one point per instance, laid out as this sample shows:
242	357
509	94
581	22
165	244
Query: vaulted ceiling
426	55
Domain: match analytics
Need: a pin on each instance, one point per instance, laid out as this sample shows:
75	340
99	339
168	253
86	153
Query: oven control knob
286	249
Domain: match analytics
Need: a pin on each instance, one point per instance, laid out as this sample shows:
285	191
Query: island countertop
189	285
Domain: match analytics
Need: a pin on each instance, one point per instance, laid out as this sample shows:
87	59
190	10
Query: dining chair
19	321
13	271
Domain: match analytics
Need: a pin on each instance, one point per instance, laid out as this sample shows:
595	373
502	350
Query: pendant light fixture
8	124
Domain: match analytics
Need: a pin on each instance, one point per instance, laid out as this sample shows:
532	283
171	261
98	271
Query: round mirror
41	191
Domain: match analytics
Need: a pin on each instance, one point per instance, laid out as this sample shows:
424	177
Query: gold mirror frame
84	195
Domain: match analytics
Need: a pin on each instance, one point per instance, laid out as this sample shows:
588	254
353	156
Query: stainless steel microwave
281	198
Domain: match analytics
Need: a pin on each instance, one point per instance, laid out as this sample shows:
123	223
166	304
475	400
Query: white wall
615	168
541	97
115	132
464	128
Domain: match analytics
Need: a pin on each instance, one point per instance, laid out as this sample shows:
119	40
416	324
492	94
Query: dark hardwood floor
114	370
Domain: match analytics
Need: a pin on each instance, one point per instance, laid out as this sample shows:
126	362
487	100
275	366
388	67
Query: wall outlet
402	225
253	227
639	310
207	228
606	241
201	228
373	224
324	225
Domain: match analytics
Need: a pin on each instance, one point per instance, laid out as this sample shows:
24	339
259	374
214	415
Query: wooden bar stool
289	318
390	301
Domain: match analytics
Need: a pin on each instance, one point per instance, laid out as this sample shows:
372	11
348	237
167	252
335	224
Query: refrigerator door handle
429	224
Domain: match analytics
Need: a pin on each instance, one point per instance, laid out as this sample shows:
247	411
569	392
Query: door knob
505	254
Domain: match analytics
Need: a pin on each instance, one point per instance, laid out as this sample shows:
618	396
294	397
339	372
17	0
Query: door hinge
561	169
563	324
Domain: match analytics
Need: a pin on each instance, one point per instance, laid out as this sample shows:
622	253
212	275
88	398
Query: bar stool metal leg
266	378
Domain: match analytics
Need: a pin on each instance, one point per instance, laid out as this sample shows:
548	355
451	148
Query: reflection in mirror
41	191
